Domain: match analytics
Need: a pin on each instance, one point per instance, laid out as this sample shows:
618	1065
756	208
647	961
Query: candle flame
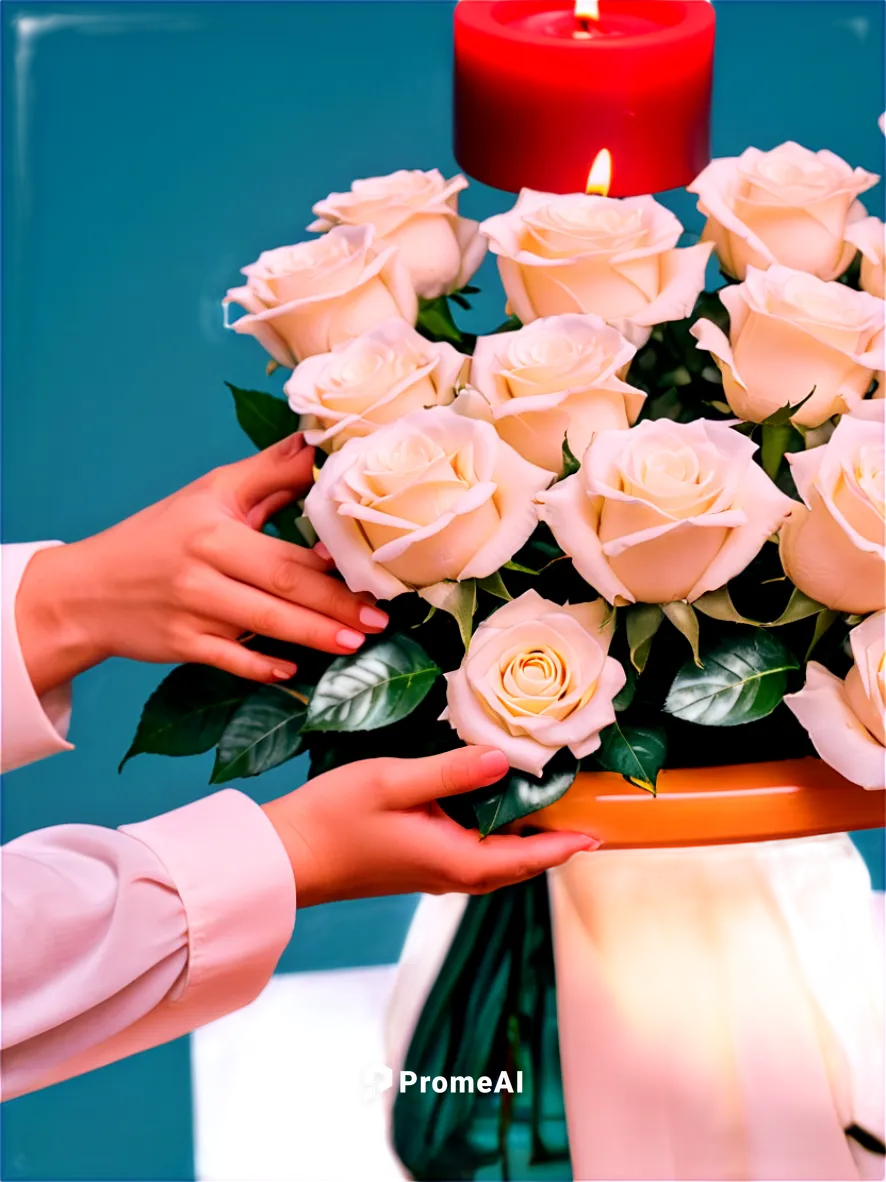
587	10
600	176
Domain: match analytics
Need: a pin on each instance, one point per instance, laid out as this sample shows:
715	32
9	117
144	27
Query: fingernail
494	764
590	843
284	674
347	638
371	617
322	552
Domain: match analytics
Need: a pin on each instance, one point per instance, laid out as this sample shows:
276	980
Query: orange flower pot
715	805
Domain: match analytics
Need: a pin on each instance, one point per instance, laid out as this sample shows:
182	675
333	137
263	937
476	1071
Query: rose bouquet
639	525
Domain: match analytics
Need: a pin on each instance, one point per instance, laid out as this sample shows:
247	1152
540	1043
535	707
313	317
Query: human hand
375	828
183	579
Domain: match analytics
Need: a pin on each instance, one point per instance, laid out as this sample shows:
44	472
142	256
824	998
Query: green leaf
495	585
684	620
625	696
512	324
744	678
378	685
435	321
823	622
458	600
719	606
637	753
187	712
799	607
519	794
779	435
784	414
292	526
642	621
263	732
570	464
264	418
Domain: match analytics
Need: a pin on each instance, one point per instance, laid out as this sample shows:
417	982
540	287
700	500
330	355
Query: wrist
52	618
310	886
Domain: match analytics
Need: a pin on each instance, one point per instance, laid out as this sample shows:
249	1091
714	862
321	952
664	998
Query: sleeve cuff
235	881
32	727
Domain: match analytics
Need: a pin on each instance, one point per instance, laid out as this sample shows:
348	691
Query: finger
242	662
499	861
294	574
229	539
258	516
285	467
255	611
410	782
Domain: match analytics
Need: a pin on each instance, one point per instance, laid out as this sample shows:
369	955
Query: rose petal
836	733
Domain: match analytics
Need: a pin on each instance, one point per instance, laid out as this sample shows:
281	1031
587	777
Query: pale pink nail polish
321	551
283	674
371	617
591	843
347	638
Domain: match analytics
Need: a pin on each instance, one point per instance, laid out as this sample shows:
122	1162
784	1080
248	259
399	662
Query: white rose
362	384
418	213
867	235
846	720
833	546
536	678
429	498
791	334
559	375
665	511
615	257
305	299
789	206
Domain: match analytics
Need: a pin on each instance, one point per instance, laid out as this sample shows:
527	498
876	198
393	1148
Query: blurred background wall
149	151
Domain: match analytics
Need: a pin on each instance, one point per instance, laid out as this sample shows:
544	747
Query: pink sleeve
30	727
116	941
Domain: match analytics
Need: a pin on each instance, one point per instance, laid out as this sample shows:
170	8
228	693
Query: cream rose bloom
536	678
846	720
434	496
559	376
833	546
868	236
665	511
791	333
362	384
615	257
305	299
418	213
789	206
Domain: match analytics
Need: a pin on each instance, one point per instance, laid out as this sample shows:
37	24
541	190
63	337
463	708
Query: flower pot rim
717	805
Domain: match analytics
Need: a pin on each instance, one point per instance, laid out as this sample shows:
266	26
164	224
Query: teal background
149	151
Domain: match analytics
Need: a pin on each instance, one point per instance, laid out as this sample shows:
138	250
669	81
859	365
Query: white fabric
279	1088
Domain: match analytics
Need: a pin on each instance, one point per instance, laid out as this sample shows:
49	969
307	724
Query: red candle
539	92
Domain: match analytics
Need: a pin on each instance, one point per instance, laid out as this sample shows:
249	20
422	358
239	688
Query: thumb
411	782
287	467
